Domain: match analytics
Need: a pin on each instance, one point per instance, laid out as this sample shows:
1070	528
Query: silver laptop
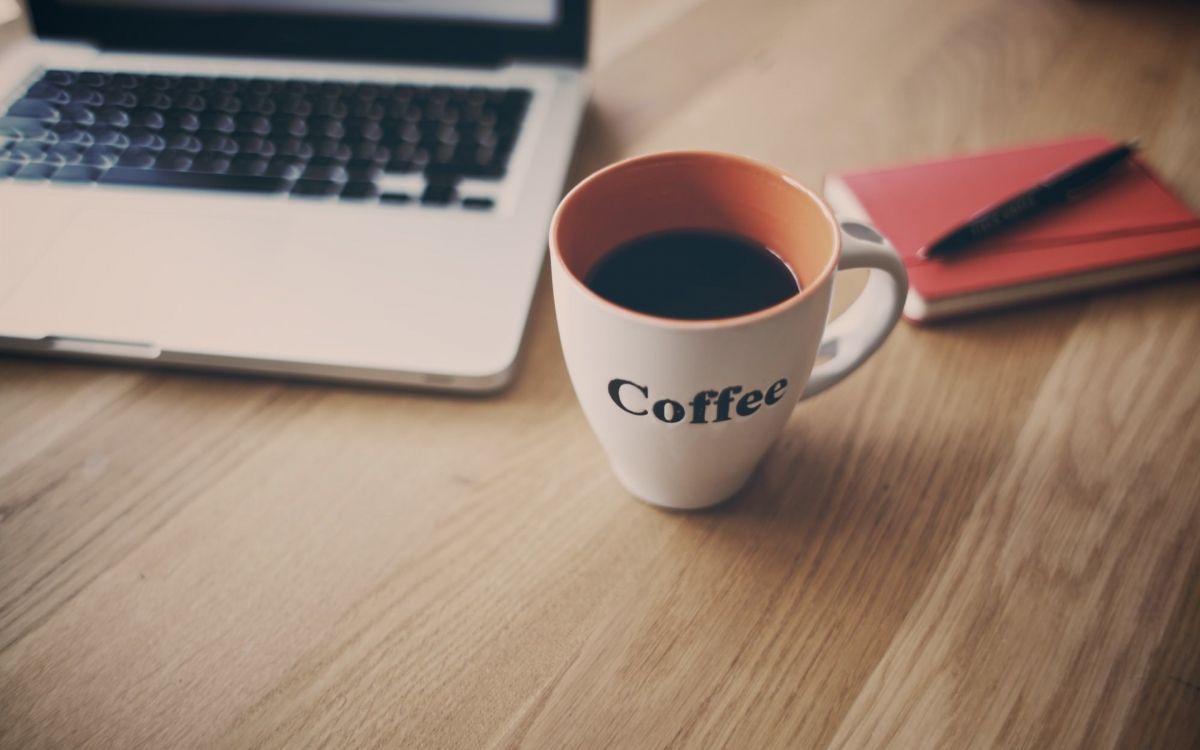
340	189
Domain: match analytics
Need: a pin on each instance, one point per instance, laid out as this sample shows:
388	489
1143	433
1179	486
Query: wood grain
986	538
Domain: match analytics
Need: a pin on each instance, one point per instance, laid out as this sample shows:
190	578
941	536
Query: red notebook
1130	227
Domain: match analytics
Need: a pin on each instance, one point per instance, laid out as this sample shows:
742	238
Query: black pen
1064	186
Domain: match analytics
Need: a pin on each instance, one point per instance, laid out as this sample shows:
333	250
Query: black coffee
693	274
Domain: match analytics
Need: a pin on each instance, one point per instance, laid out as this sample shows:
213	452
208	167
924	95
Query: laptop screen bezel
315	36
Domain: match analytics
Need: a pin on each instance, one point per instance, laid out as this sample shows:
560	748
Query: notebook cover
1012	266
1128	218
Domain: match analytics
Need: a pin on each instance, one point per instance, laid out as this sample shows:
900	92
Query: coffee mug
686	409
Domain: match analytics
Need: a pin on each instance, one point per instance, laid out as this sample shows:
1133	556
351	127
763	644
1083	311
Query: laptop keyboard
328	140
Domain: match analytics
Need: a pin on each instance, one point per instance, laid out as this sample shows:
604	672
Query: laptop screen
516	12
457	31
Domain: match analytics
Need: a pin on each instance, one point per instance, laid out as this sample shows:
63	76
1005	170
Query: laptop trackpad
189	282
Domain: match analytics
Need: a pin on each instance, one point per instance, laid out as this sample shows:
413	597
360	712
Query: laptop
352	190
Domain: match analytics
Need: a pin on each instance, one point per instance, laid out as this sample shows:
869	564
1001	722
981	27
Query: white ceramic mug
686	409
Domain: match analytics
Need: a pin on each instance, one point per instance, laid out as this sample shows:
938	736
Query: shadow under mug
686	409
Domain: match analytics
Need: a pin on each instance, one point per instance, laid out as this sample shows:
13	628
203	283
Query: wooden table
987	537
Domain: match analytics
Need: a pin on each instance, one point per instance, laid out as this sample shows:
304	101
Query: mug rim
709	323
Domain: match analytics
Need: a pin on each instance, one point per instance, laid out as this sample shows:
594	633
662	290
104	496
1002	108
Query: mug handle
854	335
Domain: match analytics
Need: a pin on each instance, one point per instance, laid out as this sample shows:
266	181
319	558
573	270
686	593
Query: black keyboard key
137	158
363	131
406	92
295	105
448	116
333	108
263	86
487	120
60	77
406	159
189	122
155	100
181	141
22	127
315	188
150	119
487	138
211	163
259	105
444	154
370	152
252	123
28	150
367	91
123	99
396	199
326	127
267	149
68	132
251	144
35	172
174	160
190	102
48	92
101	156
364	171
368	108
51	157
93	79
404	135
249	164
402	109
156	178
77	173
448	135
225	103
359	191
288	125
218	143
109	137
147	139
325	172
438	194
478	204
118	118
459	169
285	168
332	149
297	88
515	99
125	80
77	113
86	96
9	168
66	153
218	121
402	151
400	166
35	109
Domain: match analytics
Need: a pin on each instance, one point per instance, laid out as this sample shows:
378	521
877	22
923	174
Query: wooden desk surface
987	537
